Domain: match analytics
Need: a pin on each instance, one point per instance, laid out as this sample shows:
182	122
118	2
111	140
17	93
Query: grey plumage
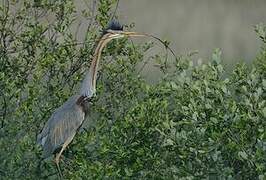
63	123
87	89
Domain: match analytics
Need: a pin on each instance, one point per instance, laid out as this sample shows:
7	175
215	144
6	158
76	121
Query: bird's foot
57	159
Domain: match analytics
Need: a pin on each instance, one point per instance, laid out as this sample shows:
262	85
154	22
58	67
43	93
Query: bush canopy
196	122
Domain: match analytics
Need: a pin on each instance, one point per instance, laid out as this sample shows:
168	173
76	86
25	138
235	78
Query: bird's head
115	31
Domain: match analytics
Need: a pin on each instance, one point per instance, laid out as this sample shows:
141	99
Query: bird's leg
57	157
58	167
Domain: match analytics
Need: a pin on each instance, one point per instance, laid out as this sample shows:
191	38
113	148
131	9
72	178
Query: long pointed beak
133	34
127	33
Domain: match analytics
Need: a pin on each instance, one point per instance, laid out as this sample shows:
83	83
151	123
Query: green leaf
216	56
264	112
243	154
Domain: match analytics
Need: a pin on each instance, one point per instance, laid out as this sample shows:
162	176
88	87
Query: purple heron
62	126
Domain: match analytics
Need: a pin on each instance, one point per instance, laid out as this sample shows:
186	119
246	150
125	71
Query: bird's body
63	124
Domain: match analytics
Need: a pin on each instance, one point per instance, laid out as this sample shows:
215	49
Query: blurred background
200	25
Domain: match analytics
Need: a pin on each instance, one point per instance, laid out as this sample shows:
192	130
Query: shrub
195	123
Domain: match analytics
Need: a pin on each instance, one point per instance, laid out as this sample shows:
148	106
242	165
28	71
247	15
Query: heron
60	129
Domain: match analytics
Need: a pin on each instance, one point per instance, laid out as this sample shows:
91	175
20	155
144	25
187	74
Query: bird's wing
62	124
41	138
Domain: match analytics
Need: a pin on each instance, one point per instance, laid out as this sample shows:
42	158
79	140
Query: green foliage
260	29
193	124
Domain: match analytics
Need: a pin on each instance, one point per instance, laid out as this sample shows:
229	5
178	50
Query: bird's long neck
96	58
88	88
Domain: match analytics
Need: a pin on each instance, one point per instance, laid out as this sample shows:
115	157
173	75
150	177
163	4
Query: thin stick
116	7
165	45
